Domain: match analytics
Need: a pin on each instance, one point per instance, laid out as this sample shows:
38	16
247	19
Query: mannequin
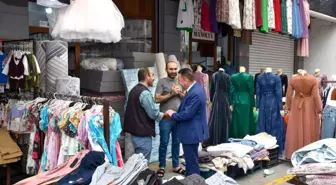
262	70
303	127
229	68
203	79
284	82
242	69
269	103
220	118
242	91
321	82
186	64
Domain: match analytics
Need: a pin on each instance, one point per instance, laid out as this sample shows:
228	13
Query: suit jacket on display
191	117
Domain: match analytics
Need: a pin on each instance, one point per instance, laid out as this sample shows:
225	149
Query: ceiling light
48	10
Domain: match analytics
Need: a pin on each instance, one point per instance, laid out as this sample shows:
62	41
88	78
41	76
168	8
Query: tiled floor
257	178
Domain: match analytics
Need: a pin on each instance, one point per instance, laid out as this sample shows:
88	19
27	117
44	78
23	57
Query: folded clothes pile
9	150
109	174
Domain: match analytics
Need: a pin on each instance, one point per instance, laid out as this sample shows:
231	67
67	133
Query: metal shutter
271	50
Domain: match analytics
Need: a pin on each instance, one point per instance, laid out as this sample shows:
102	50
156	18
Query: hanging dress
249	20
271	16
185	16
269	103
258	13
197	6
203	80
289	8
213	21
205	18
264	9
234	17
89	20
277	15
284	28
303	43
223	11
297	25
220	118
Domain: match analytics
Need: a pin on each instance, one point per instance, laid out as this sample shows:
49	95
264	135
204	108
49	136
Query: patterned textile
41	59
271	15
249	19
313	169
222	11
56	53
68	85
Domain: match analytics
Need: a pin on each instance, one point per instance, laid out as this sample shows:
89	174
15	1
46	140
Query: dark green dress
242	115
284	17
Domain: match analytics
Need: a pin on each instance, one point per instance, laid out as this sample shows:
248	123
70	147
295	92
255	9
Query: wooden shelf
36	29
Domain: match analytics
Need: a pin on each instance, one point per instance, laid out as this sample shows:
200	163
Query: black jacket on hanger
284	82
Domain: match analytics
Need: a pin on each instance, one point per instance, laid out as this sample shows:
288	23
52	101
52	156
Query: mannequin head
279	72
242	69
199	68
317	72
268	70
262	70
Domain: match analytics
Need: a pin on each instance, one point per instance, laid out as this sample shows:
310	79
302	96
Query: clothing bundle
69	127
9	150
86	20
238	152
315	173
242	17
22	70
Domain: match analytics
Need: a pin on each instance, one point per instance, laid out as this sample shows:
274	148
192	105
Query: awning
322	16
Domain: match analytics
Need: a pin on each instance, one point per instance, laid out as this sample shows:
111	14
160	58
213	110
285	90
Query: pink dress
303	44
203	80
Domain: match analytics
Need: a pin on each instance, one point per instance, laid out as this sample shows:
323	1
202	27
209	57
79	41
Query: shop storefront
271	50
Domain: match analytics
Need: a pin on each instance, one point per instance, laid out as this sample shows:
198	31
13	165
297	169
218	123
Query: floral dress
222	11
289	8
271	16
249	15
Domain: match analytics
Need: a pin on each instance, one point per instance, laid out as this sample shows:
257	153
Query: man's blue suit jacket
191	118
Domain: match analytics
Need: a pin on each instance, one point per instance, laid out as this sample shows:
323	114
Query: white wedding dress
89	20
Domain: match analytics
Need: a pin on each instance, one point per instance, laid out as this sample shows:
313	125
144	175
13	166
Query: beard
172	75
150	83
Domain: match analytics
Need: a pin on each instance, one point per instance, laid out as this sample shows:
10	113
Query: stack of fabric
259	152
315	173
9	150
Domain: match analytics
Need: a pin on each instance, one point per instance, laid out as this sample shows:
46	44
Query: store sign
203	35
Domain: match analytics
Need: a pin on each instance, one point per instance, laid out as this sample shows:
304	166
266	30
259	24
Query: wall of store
14	19
169	39
322	47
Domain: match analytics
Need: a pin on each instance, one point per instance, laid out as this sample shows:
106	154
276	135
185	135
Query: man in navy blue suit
191	119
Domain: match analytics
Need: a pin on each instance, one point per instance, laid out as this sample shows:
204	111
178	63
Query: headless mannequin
268	70
317	73
242	69
303	72
221	69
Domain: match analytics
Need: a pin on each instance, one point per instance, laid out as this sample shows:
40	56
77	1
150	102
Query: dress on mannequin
304	124
220	118
203	80
89	20
284	83
242	115
269	103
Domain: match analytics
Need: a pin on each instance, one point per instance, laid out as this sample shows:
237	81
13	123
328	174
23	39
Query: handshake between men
168	114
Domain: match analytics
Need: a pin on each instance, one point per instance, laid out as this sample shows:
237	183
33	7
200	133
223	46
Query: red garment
205	17
258	13
119	155
277	15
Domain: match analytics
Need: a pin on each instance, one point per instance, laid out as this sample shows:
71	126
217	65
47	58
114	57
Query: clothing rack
85	99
